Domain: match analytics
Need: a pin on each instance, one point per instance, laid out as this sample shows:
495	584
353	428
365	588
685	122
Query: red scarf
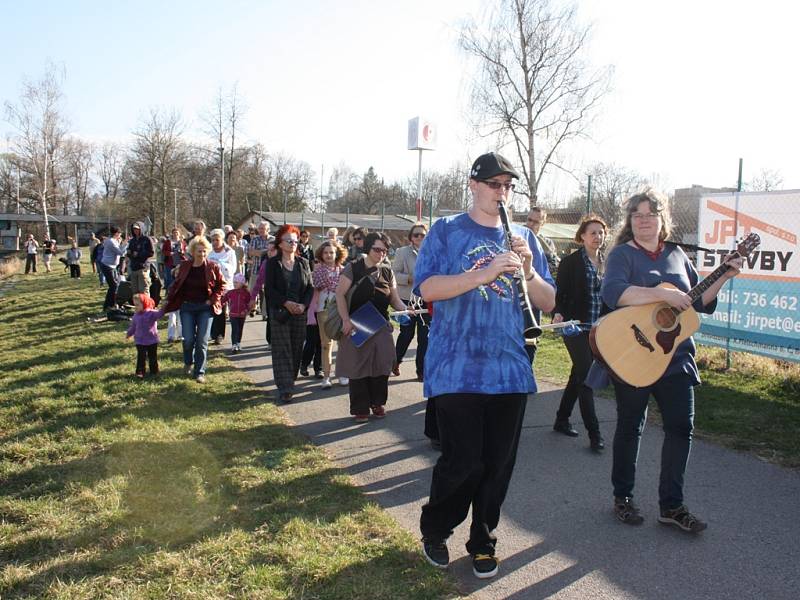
651	255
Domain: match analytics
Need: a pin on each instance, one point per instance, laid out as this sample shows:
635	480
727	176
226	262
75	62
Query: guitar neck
712	278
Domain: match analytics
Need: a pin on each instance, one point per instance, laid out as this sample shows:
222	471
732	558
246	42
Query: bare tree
40	128
152	169
611	185
78	162
767	180
222	122
534	90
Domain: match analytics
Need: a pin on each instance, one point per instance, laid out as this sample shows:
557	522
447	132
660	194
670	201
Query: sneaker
360	418
343	381
683	519
627	511
435	552
140	375
326	383
379	412
201	378
484	566
304	371
285	397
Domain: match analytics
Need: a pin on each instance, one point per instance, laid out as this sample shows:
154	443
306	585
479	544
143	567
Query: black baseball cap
488	165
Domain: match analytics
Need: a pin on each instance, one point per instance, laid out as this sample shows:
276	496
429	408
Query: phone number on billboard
763	300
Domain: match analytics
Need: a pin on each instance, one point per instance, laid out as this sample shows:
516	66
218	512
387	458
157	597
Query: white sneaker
343	381
326	383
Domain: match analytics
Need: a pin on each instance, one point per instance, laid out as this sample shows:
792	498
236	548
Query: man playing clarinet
476	368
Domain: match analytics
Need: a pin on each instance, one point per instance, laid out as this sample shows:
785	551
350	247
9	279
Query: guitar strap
693	247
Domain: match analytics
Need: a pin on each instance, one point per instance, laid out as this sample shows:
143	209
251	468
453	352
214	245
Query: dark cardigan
275	283
572	293
213	279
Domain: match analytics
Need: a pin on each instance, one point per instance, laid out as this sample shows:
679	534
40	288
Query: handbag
333	320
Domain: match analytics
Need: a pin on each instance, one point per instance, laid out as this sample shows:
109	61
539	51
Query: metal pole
18	180
285	200
430	212
322	226
321	180
589	195
347	218
175	202
728	358
303	220
383	214
260	204
222	186
419	175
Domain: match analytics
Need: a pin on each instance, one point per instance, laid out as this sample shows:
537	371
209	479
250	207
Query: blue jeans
196	325
675	398
112	279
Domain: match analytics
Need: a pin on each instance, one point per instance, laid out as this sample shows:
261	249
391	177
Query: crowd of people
462	279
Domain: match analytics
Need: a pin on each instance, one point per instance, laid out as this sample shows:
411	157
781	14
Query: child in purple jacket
144	330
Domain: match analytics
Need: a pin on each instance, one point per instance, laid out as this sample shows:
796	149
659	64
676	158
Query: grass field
754	406
116	488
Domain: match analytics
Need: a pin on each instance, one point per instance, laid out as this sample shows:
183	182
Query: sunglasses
357	238
380	250
290	241
416	235
496	185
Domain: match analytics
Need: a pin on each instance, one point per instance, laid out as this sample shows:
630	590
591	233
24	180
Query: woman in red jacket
197	292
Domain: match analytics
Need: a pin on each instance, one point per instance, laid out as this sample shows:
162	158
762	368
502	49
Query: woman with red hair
288	289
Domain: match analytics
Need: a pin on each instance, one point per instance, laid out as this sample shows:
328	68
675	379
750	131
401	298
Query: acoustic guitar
637	343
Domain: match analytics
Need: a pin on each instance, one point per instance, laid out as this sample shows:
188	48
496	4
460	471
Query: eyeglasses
357	238
496	185
380	250
419	234
290	241
637	216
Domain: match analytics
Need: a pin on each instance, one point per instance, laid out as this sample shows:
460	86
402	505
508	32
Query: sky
697	84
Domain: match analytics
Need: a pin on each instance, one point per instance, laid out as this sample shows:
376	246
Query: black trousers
218	323
75	271
150	353
431	424
312	350
418	323
30	262
581	354
366	392
479	436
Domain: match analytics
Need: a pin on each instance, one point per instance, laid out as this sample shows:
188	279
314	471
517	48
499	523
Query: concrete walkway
558	537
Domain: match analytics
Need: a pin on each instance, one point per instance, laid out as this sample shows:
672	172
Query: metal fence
758	311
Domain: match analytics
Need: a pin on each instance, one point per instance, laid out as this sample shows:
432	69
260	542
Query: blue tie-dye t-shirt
475	344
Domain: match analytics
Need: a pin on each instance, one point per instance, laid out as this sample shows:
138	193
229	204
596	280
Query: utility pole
222	186
18	180
175	202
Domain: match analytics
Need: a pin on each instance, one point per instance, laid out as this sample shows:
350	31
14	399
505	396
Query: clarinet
531	329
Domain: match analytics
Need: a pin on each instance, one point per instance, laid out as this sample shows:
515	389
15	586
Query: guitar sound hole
665	319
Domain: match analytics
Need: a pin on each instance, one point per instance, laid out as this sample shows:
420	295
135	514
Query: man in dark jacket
140	250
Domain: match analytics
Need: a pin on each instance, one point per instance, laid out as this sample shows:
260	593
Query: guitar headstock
748	244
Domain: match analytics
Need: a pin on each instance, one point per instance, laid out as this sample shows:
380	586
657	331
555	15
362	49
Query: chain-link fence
758	311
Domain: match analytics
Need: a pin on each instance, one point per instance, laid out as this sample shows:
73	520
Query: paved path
558	537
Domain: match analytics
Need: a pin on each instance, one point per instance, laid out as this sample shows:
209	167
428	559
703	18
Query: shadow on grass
173	494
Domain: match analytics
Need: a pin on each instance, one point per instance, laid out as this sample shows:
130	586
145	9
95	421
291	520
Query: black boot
565	427
596	442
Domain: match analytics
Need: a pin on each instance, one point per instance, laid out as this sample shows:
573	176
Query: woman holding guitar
639	261
578	297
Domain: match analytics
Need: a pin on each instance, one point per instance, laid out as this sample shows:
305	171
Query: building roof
325	220
33	218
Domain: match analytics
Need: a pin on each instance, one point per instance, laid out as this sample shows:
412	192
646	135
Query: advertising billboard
760	309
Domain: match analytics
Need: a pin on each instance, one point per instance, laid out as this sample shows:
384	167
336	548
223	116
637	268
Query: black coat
572	291
275	284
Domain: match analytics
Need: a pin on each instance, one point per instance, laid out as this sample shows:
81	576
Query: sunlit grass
116	488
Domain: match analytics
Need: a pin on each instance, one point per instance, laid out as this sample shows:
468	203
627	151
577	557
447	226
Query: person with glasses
367	368
639	261
286	282
476	368
357	248
405	259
